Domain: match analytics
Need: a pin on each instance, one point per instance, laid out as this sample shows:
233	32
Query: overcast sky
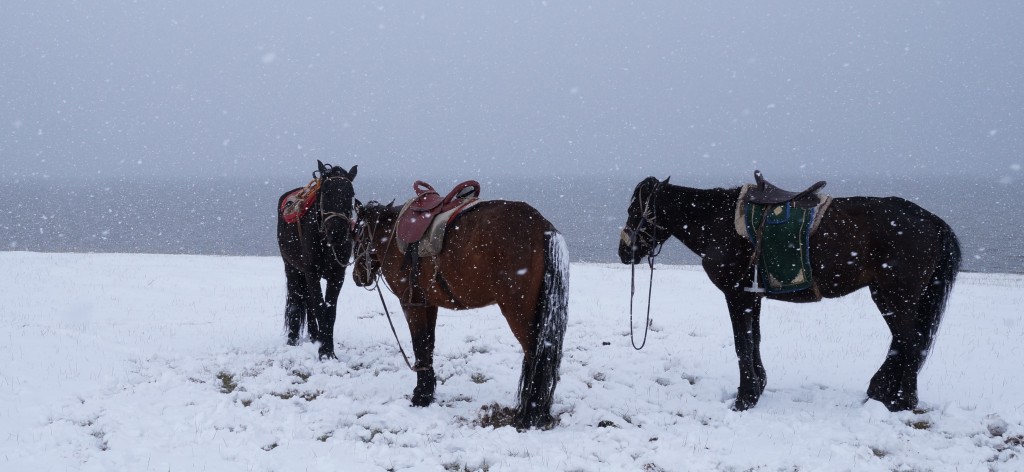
195	88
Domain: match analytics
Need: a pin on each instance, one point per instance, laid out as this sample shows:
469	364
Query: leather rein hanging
362	252
648	216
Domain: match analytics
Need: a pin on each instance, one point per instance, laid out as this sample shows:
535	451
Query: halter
327	215
363	249
648	227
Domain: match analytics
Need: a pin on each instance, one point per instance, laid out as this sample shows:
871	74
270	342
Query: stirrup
755	287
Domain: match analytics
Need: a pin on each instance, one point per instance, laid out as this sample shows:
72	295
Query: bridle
325	216
647	228
363	250
364	247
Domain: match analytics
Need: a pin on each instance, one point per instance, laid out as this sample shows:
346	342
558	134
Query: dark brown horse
499	252
907	257
317	246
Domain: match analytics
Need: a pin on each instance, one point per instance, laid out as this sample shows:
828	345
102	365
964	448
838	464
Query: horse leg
315	309
745	314
422	326
295	306
533	403
895	383
328	315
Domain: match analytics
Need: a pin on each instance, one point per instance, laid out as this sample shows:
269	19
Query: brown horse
499	252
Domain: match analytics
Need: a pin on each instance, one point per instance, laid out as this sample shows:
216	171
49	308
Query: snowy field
147	362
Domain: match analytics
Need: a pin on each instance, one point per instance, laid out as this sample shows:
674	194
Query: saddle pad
740	220
297	203
432	241
785	260
784	265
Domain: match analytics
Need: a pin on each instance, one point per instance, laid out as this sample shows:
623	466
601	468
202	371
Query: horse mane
379	210
376	206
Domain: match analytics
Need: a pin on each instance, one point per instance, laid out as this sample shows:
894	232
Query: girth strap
411	263
448	291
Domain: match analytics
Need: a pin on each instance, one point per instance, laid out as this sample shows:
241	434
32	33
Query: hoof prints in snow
117	375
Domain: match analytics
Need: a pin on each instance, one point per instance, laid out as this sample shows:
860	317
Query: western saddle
421	211
764	193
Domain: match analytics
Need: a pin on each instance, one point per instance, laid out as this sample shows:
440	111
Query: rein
376	286
632	291
653	250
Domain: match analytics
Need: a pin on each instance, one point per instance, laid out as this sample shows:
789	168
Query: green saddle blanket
785	261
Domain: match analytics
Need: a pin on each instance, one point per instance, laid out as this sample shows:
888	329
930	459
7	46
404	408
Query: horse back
867	240
300	253
499	243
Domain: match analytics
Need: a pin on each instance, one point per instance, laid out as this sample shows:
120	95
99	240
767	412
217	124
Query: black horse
317	246
906	256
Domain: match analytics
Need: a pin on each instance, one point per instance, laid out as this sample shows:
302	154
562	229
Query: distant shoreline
236	216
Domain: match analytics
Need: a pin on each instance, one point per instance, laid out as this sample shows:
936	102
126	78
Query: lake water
237	217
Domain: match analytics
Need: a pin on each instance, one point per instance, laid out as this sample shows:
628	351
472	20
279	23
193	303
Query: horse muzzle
626	236
629	250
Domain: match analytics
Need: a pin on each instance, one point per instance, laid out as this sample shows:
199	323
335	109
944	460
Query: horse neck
384	242
697	217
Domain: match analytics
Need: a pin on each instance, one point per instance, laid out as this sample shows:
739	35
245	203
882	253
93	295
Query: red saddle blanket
297	203
420	212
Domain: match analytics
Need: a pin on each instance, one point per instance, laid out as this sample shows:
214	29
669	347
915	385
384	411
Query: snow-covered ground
150	362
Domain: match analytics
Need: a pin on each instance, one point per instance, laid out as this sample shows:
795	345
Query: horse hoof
894	398
896	403
900	404
327	354
743	405
293	342
542	422
422	400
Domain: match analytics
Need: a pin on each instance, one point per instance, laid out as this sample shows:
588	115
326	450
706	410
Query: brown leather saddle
421	211
764	193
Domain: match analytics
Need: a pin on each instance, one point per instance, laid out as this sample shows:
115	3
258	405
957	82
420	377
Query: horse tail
540	370
933	303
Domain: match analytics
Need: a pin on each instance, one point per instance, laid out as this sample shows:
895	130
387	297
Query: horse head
374	225
642	235
335	203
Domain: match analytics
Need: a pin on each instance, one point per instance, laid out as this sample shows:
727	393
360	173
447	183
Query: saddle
764	193
297	203
779	223
429	210
420	212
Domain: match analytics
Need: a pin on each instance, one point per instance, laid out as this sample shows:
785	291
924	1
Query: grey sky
262	88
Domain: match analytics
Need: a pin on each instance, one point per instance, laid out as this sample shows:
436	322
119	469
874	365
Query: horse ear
358	205
352	173
320	166
666	180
